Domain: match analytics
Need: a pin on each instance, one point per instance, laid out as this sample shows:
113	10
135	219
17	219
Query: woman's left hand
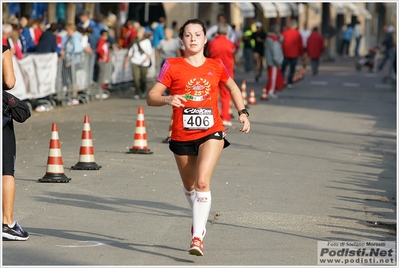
244	119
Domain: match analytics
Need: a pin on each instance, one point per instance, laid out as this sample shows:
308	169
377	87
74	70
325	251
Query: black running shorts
9	149
191	147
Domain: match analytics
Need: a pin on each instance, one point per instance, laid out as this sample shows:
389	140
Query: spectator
158	32
346	39
211	32
357	33
167	48
6	30
315	44
103	59
259	50
224	49
305	33
85	39
15	45
274	59
175	28
388	43
14	22
139	55
292	49
110	25
72	47
23	22
11	229
72	44
39	26
85	22
48	41
130	34
247	45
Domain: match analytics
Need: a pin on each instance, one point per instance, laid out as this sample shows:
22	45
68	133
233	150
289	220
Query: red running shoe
196	247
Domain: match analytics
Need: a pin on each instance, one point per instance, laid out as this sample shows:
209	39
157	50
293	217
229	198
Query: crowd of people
95	36
280	50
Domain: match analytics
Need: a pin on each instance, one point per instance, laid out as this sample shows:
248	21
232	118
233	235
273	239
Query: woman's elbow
10	82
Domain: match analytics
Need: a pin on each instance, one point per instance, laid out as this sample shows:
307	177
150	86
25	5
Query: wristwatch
243	111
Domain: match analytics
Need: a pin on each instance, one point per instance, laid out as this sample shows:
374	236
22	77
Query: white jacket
140	59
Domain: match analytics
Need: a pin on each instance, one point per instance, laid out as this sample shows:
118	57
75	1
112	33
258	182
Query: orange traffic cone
170	130
86	153
264	94
244	95
55	167
140	136
244	84
252	98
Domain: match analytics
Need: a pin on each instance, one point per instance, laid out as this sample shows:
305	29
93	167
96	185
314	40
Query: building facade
326	15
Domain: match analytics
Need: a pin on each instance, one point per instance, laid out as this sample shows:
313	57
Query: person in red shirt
38	27
223	48
103	60
128	34
315	45
198	133
292	48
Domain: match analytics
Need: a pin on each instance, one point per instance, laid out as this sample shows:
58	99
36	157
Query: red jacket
292	43
224	49
103	51
315	45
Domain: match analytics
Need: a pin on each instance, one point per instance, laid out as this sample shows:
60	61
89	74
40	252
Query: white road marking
382	86
84	244
351	84
319	83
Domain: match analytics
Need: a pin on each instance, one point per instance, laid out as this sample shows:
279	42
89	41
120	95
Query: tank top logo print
197	89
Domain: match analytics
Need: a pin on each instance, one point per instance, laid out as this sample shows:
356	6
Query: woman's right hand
176	100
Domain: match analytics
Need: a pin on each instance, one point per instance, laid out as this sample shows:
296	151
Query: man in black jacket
48	41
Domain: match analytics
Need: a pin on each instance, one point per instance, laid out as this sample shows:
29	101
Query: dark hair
53	27
315	28
192	21
221	15
103	31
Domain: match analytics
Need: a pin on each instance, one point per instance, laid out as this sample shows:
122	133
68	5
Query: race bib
197	118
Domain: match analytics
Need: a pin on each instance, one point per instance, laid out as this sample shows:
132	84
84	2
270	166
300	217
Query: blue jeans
357	46
389	55
292	62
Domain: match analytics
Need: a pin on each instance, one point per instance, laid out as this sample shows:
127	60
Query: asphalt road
318	165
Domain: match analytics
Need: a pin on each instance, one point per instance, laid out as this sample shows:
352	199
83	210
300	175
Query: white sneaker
103	96
289	85
227	123
272	95
136	97
73	102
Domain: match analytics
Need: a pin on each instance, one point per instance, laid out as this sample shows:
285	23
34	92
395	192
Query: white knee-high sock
190	195
201	208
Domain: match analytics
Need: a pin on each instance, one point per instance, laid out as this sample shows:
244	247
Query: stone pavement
319	164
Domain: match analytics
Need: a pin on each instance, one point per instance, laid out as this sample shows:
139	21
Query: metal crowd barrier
74	79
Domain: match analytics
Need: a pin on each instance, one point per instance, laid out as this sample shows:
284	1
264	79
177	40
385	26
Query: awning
294	8
314	6
269	10
339	7
357	9
284	9
247	9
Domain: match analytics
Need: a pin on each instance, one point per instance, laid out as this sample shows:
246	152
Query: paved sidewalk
318	165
